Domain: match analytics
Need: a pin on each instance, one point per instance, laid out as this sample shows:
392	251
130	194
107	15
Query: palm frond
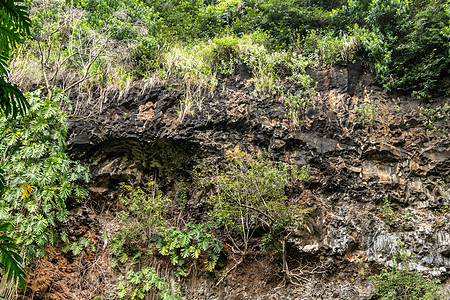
10	259
3	66
9	37
12	101
17	12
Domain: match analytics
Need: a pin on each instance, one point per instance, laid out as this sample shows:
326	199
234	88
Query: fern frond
65	191
4	212
38	125
64	237
62	214
33	151
40	226
85	242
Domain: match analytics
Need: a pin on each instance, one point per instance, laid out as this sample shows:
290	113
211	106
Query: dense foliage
14	23
405	43
192	242
398	283
249	193
407	46
139	283
146	229
11	261
39	175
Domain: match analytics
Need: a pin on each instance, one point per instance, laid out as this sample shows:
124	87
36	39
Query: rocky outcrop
368	151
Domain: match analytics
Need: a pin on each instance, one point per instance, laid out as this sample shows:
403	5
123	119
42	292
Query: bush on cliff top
405	43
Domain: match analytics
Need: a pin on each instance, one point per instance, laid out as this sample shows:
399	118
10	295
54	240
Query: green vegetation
252	192
39	175
405	43
388	212
245	194
139	283
78	246
296	106
367	113
434	115
146	230
400	282
95	45
14	23
198	66
10	259
193	242
146	214
195	42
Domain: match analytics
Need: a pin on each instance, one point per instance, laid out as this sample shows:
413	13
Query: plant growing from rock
433	115
387	211
145	215
139	283
248	193
367	113
190	243
146	230
400	282
296	105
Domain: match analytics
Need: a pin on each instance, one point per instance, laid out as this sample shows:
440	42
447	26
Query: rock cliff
380	175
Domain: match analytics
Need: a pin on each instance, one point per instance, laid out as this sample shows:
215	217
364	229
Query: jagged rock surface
354	165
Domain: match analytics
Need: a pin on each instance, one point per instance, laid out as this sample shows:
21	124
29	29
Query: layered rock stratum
356	164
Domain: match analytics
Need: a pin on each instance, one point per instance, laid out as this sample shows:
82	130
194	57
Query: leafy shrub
388	212
221	55
145	225
296	104
252	192
124	19
285	21
353	12
39	175
400	282
325	48
193	241
145	228
146	280
367	113
405	284
78	246
145	215
407	46
433	115
271	67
